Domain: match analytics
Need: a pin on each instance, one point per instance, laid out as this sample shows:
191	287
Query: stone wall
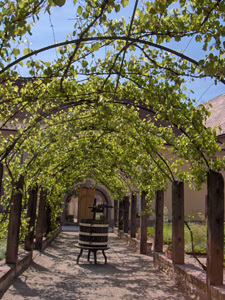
189	277
133	243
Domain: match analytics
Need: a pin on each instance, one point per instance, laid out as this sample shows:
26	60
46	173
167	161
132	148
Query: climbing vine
112	107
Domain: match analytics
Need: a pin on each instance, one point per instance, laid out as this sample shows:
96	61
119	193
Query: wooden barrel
93	233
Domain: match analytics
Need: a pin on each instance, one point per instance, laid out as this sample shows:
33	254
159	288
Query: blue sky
60	23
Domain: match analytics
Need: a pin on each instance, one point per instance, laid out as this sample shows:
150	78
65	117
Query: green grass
199	236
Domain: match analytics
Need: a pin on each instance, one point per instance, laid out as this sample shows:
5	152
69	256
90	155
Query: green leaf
79	10
59	2
117	8
26	51
84	63
48	71
16	51
96	46
198	38
125	2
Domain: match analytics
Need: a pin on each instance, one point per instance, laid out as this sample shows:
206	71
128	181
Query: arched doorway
71	209
72	204
86	200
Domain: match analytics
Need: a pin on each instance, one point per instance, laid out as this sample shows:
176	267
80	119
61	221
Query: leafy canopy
112	106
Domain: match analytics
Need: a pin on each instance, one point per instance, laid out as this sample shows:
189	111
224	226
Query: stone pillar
120	225
133	228
31	214
41	219
115	212
215	228
159	208
178	222
143	224
14	222
126	214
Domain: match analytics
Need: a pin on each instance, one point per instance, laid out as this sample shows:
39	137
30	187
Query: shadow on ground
54	275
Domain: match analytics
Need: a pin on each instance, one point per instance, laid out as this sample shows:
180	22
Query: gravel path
54	275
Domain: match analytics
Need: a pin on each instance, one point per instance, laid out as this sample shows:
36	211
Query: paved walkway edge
8	272
190	277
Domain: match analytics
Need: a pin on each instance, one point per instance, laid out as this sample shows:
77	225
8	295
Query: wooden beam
159	208
1	185
48	224
215	228
115	212
14	222
126	214
31	214
133	228
143	224
178	222
41	219
1	177
120	225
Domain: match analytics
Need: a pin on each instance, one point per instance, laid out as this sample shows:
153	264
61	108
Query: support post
1	186
126	214
159	206
48	225
120	226
31	214
41	219
133	228
1	177
115	212
178	222
143	224
14	222
215	228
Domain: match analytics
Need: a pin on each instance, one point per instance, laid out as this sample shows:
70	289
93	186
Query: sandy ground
54	275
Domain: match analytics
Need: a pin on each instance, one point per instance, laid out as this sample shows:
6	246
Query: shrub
167	234
199	237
